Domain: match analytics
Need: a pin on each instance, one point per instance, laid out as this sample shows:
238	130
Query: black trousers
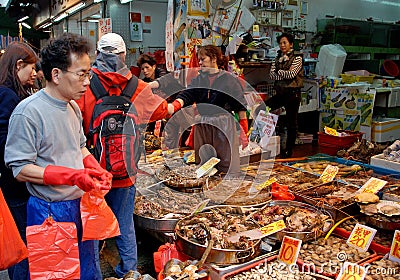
290	99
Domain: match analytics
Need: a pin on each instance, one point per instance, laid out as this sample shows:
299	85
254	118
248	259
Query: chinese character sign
105	26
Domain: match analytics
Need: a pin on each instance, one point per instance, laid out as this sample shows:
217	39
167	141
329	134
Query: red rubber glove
244	128
83	178
177	105
90	162
190	140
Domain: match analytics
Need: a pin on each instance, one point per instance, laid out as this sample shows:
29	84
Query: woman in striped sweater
287	71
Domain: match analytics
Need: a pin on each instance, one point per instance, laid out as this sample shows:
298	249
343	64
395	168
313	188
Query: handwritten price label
205	168
331	131
373	185
266	184
329	173
394	254
361	237
273	228
352	271
289	251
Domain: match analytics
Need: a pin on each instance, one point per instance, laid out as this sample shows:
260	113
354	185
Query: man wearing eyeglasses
114	75
46	146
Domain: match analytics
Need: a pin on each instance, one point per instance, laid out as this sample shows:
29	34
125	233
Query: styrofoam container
380	161
274	145
385	130
331	60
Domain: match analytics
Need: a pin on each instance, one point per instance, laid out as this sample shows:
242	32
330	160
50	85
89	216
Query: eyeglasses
82	75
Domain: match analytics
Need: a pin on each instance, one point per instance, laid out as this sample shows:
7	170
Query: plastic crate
348	78
330	144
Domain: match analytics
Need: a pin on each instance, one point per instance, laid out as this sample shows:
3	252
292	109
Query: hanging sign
105	26
290	249
361	237
136	27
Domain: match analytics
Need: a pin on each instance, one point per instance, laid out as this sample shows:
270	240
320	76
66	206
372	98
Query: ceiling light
46	25
26	25
23	18
75	8
93	20
125	1
60	17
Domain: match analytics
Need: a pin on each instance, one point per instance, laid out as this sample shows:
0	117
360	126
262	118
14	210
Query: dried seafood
222	223
298	180
383	270
180	175
164	202
274	270
319	166
235	192
297	219
327	254
362	151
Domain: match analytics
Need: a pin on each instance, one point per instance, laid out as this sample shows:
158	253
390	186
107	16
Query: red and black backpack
114	135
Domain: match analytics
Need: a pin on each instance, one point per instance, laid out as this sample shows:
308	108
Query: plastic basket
330	144
348	78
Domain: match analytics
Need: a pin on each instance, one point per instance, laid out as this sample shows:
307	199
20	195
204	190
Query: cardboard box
380	161
385	130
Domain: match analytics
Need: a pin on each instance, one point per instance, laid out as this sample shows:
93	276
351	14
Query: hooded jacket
112	71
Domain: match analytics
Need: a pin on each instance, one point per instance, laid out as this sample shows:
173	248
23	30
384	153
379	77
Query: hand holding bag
12	248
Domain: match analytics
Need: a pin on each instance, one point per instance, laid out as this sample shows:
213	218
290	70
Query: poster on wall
179	35
224	20
105	26
136	27
199	28
169	37
198	8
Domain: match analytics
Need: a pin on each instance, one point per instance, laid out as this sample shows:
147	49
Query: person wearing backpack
140	107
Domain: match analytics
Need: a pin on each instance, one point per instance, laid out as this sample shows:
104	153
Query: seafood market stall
224	224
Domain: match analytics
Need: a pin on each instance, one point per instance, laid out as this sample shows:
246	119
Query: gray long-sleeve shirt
42	131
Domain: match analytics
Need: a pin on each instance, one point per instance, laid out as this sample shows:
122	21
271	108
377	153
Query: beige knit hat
111	43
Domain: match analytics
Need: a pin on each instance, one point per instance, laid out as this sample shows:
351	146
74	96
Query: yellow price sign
331	131
352	271
394	254
289	250
373	185
267	183
361	237
329	173
273	228
206	167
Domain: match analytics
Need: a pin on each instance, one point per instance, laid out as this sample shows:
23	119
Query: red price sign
361	237
394	254
329	173
289	251
352	271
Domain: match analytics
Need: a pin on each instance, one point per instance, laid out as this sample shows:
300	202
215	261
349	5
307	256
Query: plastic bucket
389	67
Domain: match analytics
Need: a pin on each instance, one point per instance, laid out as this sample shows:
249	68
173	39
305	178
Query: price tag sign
352	271
289	251
205	168
331	131
373	185
273	228
394	254
201	206
329	173
361	237
267	183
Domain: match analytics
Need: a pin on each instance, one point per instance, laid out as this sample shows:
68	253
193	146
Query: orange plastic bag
98	220
164	254
53	250
12	248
